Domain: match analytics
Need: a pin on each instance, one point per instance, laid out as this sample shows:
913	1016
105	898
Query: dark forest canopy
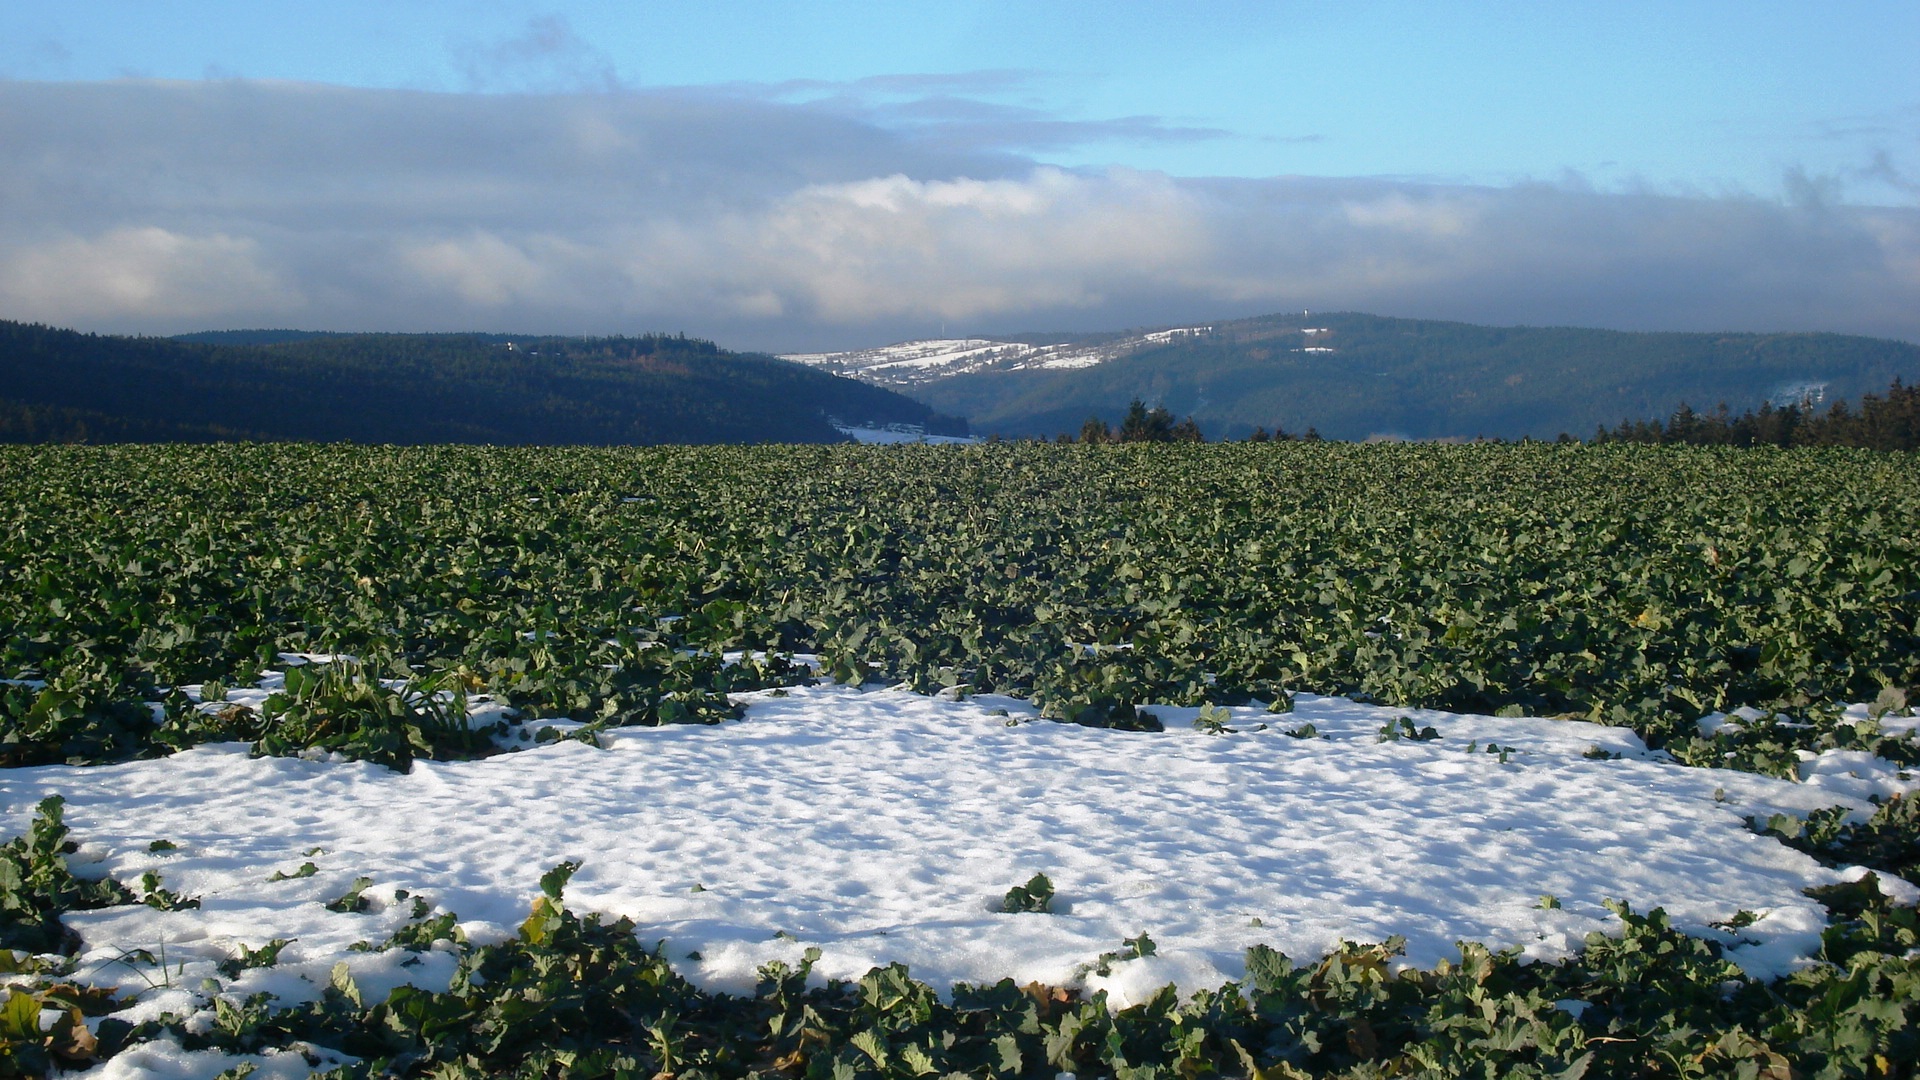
63	386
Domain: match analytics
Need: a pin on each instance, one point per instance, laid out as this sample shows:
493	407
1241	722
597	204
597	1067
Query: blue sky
1709	95
1724	114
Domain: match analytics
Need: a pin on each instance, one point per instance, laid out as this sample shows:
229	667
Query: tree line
1879	422
1141	425
1157	425
1889	422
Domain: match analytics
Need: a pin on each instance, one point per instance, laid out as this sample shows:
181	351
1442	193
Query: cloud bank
163	207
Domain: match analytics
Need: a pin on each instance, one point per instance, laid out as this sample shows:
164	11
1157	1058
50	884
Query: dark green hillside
58	385
1420	379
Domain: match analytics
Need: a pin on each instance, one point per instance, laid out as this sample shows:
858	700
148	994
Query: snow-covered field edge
880	826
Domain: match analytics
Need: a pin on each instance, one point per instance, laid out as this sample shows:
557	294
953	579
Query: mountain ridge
1352	375
63	385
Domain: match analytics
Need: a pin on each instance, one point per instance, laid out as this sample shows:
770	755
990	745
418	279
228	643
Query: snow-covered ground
901	433
917	361
912	362
879	825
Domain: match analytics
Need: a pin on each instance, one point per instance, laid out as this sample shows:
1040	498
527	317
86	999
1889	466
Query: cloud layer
161	207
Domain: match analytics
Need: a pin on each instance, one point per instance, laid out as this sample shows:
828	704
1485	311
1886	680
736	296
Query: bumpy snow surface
881	825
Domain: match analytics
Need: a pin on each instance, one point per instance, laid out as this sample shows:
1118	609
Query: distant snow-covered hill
1349	375
912	363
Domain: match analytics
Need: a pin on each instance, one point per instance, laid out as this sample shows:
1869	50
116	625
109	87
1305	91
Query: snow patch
913	362
894	434
880	825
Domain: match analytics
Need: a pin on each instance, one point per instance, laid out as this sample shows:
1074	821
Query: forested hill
1352	376
59	385
252	337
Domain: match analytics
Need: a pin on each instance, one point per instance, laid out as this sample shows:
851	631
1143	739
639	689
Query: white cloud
1435	217
138	271
483	270
894	247
159	207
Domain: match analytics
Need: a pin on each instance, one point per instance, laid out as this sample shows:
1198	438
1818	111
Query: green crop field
1631	585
